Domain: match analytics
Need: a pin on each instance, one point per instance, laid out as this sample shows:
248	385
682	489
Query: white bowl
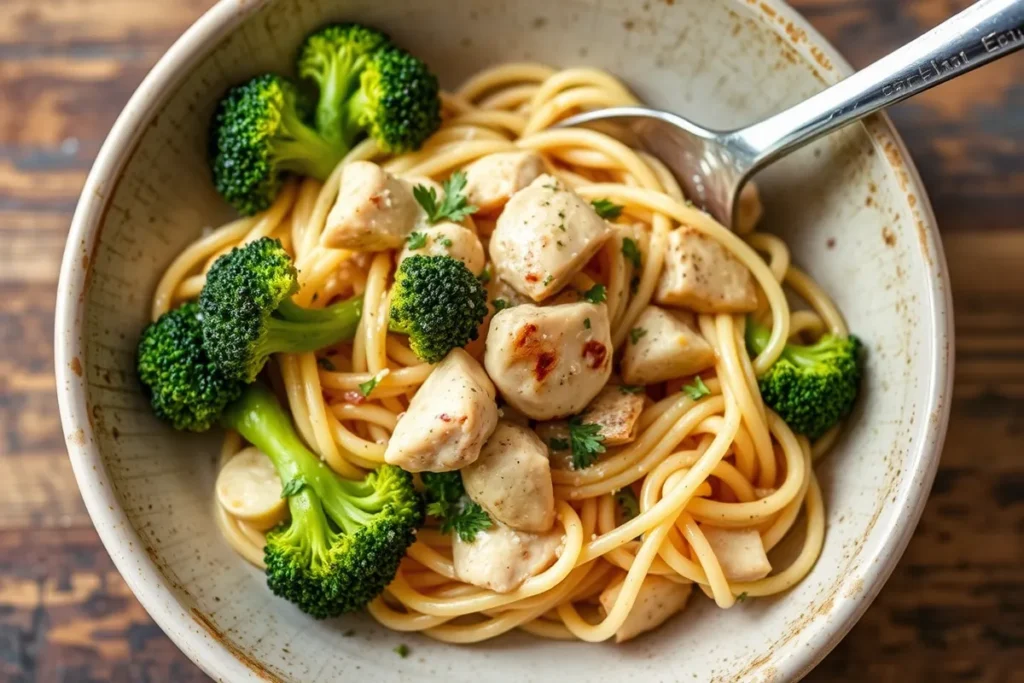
851	207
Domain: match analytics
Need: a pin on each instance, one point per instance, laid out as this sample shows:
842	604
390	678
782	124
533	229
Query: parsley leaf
607	209
584	442
454	207
630	389
596	294
632	252
416	240
293	486
634	284
548	279
445	242
447	500
500	305
368	386
741	597
586	323
485	276
696	389
636	334
402	650
326	364
627	502
557	443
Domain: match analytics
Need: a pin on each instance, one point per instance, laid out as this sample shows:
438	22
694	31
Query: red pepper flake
595	353
546	362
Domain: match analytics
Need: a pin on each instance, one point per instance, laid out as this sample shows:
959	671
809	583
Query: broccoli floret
811	387
439	303
345	538
259	133
248	314
397	103
333	58
185	388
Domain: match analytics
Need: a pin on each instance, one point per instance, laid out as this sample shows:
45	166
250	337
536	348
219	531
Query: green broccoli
333	58
248	314
439	303
398	101
185	388
259	133
811	387
345	538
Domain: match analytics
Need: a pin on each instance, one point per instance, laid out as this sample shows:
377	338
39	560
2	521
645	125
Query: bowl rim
193	632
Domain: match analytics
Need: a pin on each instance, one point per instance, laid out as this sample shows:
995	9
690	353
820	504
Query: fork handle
983	32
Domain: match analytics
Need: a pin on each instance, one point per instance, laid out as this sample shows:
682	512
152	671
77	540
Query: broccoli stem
295	329
340	79
305	151
259	419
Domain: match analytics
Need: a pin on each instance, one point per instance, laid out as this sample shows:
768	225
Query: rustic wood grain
954	608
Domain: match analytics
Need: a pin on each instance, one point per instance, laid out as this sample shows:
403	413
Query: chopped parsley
636	334
586	323
627	502
584	442
548	279
741	597
634	284
607	209
326	364
696	389
632	252
416	240
485	276
448	502
630	389
596	294
368	386
293	486
402	650
557	443
445	242
500	305
454	207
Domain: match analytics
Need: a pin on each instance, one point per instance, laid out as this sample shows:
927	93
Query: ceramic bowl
851	208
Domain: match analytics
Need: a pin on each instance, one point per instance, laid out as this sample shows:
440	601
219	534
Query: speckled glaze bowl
851	207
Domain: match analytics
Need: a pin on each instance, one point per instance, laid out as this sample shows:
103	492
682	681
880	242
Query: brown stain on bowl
76	366
243	657
77	437
888	237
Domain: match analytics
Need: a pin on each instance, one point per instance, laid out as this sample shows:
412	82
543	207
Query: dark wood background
953	610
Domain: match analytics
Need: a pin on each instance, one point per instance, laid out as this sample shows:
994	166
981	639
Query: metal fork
712	166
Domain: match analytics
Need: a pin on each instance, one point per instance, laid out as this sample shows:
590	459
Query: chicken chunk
492	179
617	411
658	599
374	210
448	420
446	239
512	479
666	348
549	362
739	551
701	275
501	558
545	235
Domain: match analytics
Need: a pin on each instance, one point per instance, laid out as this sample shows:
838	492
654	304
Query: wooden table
953	610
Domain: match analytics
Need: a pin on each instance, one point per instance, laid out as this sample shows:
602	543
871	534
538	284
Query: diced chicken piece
658	599
501	558
446	239
739	551
749	210
448	420
512	479
617	411
374	210
549	362
545	235
249	489
493	179
701	275
667	348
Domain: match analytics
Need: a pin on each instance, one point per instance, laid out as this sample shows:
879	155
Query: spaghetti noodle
726	459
